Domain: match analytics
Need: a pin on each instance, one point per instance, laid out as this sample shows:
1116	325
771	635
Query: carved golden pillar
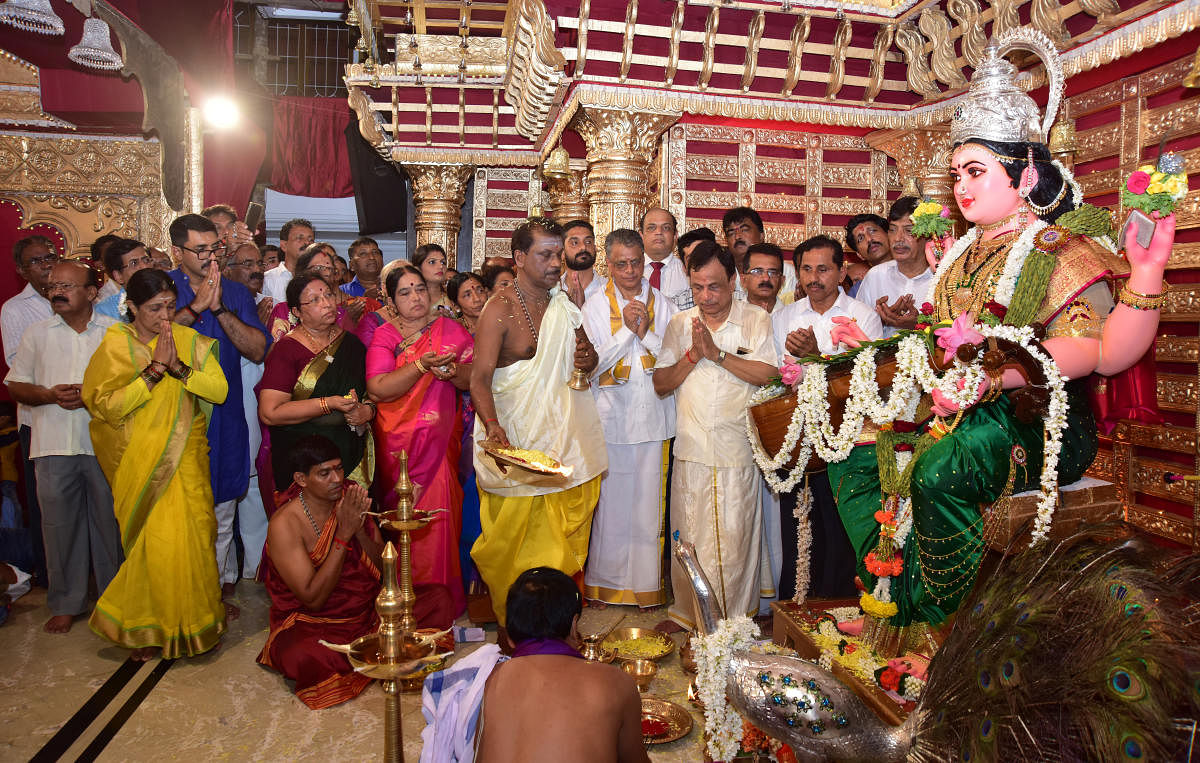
923	161
566	185
620	146
1063	143
439	191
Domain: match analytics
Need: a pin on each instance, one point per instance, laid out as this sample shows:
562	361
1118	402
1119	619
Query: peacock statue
1087	651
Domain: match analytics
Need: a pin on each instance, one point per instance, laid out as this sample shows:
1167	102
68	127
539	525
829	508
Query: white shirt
275	283
596	286
673	281
886	280
50	353
801	315
18	314
710	404
630	412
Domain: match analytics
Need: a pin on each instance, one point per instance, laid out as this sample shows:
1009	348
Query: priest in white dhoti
714	356
626	322
528	342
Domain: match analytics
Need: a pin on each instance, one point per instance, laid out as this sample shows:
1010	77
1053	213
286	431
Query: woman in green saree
314	382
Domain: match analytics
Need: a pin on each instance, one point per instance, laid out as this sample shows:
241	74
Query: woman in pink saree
415	367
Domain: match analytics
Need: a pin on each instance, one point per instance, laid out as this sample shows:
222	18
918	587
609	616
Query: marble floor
220	706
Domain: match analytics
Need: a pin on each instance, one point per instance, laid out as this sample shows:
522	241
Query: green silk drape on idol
952	483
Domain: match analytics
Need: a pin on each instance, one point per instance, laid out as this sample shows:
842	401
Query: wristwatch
721	358
216	311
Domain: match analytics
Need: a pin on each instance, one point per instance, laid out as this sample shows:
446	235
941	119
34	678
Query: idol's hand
847	332
945	407
1156	255
935	251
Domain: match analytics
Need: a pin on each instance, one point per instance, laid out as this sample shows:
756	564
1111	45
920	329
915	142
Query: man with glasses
224	310
245	266
664	269
294	237
762	276
35	256
743	229
122	258
81	533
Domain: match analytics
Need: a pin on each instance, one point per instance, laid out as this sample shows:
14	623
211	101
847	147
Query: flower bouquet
931	220
1156	188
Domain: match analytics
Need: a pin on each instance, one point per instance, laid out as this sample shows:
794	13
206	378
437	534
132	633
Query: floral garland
803	543
1006	286
722	724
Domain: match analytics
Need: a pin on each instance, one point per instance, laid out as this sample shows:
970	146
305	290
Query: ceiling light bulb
221	112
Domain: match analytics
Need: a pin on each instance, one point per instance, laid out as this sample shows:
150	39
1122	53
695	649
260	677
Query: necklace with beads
974	276
307	513
525	309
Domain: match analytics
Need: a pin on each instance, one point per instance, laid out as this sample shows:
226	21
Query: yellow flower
1176	185
928	208
1157	177
1146	168
1156	187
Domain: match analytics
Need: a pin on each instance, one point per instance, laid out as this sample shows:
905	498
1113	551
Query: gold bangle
324	405
1137	301
1162	292
421	369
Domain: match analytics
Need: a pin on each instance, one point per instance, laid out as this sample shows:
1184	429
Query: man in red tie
663	268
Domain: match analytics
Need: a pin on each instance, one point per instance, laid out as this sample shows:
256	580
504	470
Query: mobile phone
1143	228
254	214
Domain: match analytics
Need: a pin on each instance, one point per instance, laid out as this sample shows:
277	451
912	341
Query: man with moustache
579	254
626	322
866	235
225	311
743	228
762	276
713	357
529	340
78	525
664	269
804	328
122	258
229	229
35	257
895	288
366	260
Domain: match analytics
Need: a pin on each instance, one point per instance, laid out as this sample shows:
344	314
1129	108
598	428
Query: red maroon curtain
309	156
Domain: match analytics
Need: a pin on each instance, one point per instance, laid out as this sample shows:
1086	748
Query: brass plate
510	456
661	640
677	720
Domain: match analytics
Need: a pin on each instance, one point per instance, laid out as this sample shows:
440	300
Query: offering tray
531	460
364	654
651	644
663	721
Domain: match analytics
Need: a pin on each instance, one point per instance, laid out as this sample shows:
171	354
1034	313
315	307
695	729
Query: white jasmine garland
722	724
1069	178
826	661
842	614
1007	285
883	589
803	543
913	687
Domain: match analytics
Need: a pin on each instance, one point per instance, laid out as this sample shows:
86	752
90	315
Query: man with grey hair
625	321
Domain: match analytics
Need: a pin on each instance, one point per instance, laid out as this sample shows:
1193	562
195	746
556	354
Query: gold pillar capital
439	191
923	162
620	146
567	184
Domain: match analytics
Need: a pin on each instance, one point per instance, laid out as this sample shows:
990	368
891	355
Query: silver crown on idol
996	107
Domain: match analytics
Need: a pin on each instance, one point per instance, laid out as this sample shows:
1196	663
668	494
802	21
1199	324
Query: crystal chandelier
31	16
95	48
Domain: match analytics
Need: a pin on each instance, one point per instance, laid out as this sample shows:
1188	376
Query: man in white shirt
35	257
895	288
801	329
664	269
580	281
713	357
762	276
743	229
78	524
294	236
626	321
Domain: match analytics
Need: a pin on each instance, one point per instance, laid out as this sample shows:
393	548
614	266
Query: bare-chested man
528	341
524	714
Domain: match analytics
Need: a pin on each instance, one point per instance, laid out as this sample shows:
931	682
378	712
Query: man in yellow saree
150	387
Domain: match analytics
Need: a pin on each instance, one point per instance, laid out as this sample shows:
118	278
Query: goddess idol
913	502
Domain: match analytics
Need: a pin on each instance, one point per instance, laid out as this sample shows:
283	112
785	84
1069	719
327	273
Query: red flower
1138	182
903	447
926	308
904	426
889	679
996	309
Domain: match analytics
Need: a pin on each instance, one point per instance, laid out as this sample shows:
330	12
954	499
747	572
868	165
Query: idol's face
984	191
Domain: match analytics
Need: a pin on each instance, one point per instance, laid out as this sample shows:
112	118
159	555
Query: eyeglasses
243	263
63	286
207	254
144	262
769	272
317	300
38	262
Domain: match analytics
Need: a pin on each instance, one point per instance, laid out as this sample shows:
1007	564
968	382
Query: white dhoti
719	510
625	557
772	548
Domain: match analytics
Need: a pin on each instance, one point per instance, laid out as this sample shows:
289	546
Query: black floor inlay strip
135	700
78	723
